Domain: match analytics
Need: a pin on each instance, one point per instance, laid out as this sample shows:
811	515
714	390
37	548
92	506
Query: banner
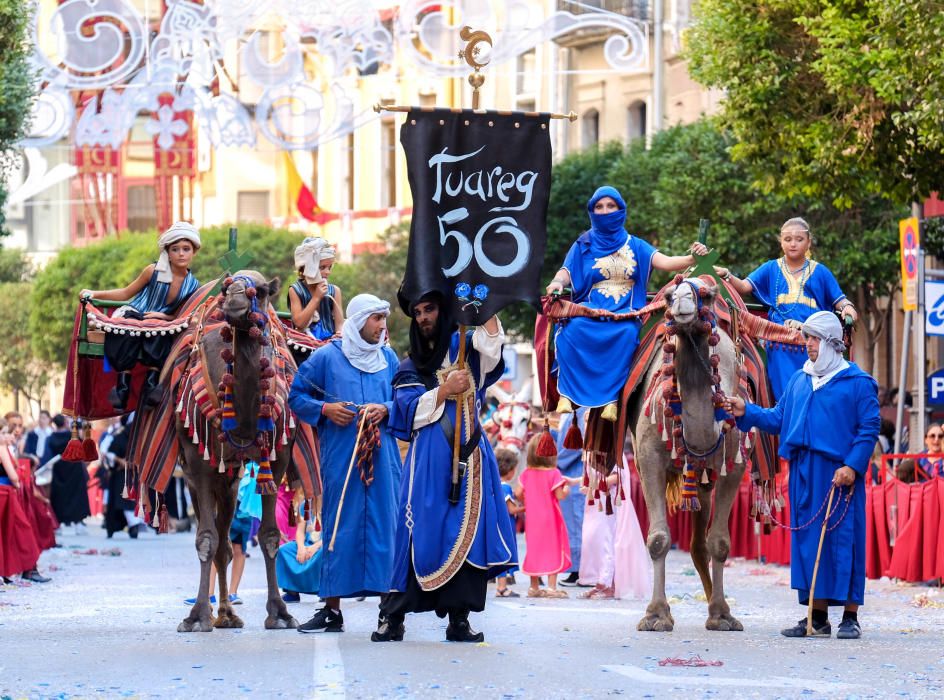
480	184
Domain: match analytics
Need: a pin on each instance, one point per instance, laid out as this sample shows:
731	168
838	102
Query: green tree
115	262
16	86
19	369
15	266
831	101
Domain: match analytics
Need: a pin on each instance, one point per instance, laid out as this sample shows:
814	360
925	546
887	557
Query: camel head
513	418
689	301
246	297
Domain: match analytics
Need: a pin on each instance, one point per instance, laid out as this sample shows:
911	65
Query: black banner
480	186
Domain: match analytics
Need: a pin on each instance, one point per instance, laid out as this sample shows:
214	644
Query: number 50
468	250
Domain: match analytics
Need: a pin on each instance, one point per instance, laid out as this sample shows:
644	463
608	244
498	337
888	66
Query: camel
706	439
513	419
213	490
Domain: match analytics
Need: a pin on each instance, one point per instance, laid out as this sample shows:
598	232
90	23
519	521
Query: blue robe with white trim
821	431
363	551
437	536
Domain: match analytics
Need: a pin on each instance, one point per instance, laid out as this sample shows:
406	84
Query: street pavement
106	627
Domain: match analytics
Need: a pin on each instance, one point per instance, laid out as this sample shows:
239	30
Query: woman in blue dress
315	304
607	269
794	287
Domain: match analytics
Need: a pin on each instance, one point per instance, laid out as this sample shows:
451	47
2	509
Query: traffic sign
935	384
934	307
909	236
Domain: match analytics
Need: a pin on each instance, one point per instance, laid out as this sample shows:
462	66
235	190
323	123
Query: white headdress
367	357
181	230
308	257
829	360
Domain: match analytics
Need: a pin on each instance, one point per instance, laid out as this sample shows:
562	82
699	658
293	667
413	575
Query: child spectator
298	563
507	467
19	551
545	533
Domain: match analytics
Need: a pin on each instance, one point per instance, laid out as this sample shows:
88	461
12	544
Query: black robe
69	487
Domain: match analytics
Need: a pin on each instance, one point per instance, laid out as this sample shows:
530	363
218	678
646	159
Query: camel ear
274	285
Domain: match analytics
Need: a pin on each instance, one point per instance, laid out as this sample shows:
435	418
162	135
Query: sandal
506	593
557	594
537	593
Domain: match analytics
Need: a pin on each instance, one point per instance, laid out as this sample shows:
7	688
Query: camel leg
719	545
200	618
658	616
279	617
699	543
226	617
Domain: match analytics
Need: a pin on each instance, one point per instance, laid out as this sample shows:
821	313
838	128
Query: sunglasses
935	436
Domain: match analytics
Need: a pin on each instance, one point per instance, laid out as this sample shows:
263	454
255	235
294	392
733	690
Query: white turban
308	257
829	360
182	230
367	357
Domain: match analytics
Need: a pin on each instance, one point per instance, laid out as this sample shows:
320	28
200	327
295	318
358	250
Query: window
590	128
636	121
142	207
388	172
527	76
252	206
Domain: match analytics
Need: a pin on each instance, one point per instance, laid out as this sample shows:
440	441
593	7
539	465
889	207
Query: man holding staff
828	422
449	541
344	390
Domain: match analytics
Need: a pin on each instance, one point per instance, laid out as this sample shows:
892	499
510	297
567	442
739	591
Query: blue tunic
154	295
594	357
363	552
821	431
437	536
791	298
324	328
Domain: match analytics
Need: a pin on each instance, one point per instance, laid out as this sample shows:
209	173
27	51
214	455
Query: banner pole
454	492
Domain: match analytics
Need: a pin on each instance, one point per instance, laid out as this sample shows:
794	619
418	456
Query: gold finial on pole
470	54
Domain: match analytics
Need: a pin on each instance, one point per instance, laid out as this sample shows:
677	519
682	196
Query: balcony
634	9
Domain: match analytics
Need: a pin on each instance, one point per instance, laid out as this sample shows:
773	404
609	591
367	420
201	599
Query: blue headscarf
607	232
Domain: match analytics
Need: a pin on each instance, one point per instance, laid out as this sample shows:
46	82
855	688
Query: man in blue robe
828	421
345	389
446	552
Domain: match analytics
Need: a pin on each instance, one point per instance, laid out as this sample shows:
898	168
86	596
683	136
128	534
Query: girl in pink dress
545	533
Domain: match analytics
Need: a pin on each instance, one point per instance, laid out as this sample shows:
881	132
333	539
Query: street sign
910	241
511	364
934	307
935	385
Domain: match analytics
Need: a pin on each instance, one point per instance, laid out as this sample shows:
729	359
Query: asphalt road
106	627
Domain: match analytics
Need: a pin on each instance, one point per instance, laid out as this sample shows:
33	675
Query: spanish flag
301	196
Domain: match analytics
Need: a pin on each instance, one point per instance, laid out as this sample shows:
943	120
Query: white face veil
308	257
367	357
825	326
180	231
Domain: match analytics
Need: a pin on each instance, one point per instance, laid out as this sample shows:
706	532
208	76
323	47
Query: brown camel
213	488
701	437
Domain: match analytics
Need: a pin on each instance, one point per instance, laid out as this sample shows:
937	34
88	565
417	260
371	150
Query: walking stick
457	425
337	516
819	551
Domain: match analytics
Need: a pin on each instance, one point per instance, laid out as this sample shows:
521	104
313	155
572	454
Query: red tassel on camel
74	451
546	446
89	448
573	440
162	520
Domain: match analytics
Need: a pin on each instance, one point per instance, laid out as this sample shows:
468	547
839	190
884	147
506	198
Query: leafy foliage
831	101
16	86
19	370
15	266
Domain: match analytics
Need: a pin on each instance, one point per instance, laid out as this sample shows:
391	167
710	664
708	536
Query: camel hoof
229	621
724	623
195	625
286	622
656	623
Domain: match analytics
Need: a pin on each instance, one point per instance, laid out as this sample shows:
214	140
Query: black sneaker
849	629
799	630
571	580
388	630
324	620
461	631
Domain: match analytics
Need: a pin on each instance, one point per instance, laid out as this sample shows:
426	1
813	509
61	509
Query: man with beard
344	390
445	552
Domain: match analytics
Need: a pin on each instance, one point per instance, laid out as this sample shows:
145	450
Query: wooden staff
337	516
457	426
819	551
